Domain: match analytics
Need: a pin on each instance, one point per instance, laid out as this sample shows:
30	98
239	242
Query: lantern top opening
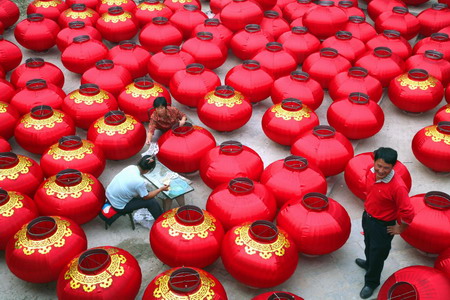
224	91
115	117
144	82
184	280
439	6
328	52
324	131
418	74
291	104
315	201
439	36
437	200
34	62
231	147
400	10
402	289
444	127
252	28
264	231
171	49
358	98
241	185
8	160
41	112
70	142
274	46
299	29
104	64
190	7
127	45
271	14
68	177
391	34
212	22
251	64
382	52
94	261
81	39
346	4
295	163
41	228
190	215
36	84
205	35
35	17
344	35
115	10
78	7
280	296
76	25
182	130
4	196
433	54
357	19
299	76
160	20
358	72
325	3
89	89
195	68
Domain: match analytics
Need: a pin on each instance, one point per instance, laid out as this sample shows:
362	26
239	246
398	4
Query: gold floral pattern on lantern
78	98
80	14
111	130
114	2
228	102
68	155
22	167
266	250
447	110
45	245
116	18
47	4
189	232
298	115
14	201
151	7
28	121
103	279
414	85
143	93
205	290
181	1
75	191
436	136
3	107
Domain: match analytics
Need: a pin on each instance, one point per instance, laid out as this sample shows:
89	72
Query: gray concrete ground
334	276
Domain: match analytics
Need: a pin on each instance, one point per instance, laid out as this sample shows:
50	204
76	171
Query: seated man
127	191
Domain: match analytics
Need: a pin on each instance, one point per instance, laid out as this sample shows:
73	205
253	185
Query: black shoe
366	292
361	263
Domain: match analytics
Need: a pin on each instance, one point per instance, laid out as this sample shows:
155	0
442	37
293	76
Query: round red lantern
163	65
274	24
216	28
187	236
324	19
377	7
189	86
67	35
7	91
347	46
117	24
71	152
40	249
131	56
238	13
100	273
78	12
10	55
137	97
434	18
360	29
182	148
297	9
224	109
147	10
159	33
249	41
187	18
442	263
4	145
15	210
356	172
9	116
186	283
325	65
283	122
357	79
36	33
241	200
437	41
103	6
392	40
399	19
89	3
9	13
82	54
50	9
300	86
120	136
293	177
229	160
443	114
433	62
251	80
277	295
206	51
259	254
276	60
299	42
326	148
37	68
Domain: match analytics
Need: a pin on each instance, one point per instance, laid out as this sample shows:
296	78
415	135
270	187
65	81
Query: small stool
130	215
109	215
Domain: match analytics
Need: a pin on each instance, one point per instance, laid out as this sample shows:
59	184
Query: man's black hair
159	101
147	163
389	155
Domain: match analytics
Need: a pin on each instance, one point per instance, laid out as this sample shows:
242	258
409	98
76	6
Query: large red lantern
324	19
147	10
433	62
36	33
259	254
100	273
276	60
216	28
9	13
78	12
277	295
206	50
87	104
117	24
392	40
185	282
355	173
297	9
71	152
229	160
434	18
16	209
300	86
224	109
103	6
377	7
283	122
431	146
442	114
4	145
7	91
299	42
35	68
238	13
249	41
437	41
360	29
241	200
251	80
325	147
10	55
187	18
131	56
120	136
9	116
187	236
159	33
75	29
399	19
182	148
293	177
347	46
41	248
50	9
442	263
137	97
274	24
317	224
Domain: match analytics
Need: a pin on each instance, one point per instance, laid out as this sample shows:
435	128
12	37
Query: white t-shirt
126	185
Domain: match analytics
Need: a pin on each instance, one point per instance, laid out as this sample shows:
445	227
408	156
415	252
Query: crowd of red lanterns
42	205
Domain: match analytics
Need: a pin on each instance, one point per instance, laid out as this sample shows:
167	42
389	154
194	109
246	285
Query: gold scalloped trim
62	192
116	19
3	107
89	13
14	202
47	4
28	121
69	155
188	232
151	7
78	98
22	167
436	136
414	85
114	2
111	130
298	115
143	93
211	98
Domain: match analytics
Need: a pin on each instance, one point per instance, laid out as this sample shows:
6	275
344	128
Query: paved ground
333	276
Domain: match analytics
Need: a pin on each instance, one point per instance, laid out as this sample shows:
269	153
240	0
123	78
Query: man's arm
152	194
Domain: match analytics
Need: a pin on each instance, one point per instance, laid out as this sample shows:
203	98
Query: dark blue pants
136	203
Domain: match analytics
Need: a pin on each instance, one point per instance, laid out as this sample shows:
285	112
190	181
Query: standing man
387	201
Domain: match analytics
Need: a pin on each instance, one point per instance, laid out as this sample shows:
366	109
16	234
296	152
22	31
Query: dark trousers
136	203
378	244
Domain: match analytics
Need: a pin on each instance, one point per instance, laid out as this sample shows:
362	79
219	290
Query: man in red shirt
387	201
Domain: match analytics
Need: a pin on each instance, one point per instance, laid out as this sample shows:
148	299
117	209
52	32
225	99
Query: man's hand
397	228
164	187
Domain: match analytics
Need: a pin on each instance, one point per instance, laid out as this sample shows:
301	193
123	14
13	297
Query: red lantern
40	249
351	8
182	148
276	60
147	10
283	122
326	148
71	152
392	40
9	13
274	24
41	128
9	116
187	18
159	33
347	46
163	65
37	92
299	42
442	263
297	9
437	41
293	177
89	3
251	80
185	282
100	273
356	172
83	53
137	98
132	57
434	18
324	19
249	41
431	61
216	28
300	86
4	145
78	12
35	68
10	55
104	5
357	79
175	5
7	91
67	35
360	29
87	104
187	236
36	33
206	51
238	13
277	295
325	65
117	24
15	210
382	64
443	114
377	7
229	160
224	109
120	136
259	254
50	9
399	19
